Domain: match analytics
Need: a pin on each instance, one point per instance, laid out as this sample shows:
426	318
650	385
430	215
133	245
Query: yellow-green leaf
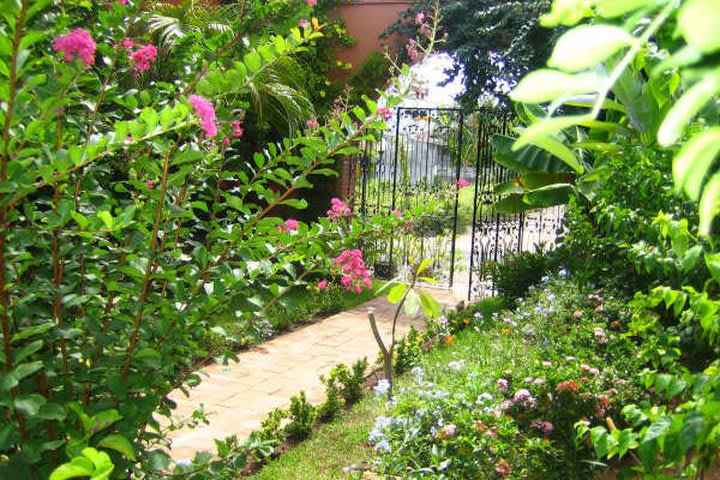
618	8
699	23
709	204
545	85
692	163
585	46
687	108
546	127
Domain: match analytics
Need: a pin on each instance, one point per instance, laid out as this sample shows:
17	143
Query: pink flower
397	213
384	113
502	385
226	142
122	2
76	44
143	58
312	123
237	129
412	51
577	314
420	17
150	183
462	183
304	23
355	275
205	110
322	284
312	3
338	209
127	43
291	223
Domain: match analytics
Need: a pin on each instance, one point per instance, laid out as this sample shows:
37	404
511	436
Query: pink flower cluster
355	275
290	225
205	110
338	208
544	426
462	183
312	123
76	44
384	112
143	58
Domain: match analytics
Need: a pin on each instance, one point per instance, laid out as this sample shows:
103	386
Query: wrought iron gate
422	164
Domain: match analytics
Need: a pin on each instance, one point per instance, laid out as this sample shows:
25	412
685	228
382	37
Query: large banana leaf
543	197
529	159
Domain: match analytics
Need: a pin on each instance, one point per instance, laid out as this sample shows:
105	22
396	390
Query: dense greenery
130	222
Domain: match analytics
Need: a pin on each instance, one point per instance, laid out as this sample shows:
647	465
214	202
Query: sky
431	72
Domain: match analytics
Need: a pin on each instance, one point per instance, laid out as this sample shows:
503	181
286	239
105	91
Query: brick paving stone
238	396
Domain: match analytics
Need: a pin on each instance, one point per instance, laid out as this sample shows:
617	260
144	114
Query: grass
331	447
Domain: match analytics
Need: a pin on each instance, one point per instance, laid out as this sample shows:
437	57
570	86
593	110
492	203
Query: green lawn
331	447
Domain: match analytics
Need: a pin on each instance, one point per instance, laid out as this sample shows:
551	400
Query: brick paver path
238	396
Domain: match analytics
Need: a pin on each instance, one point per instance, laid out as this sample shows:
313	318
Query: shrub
271	427
352	380
333	401
302	416
513	276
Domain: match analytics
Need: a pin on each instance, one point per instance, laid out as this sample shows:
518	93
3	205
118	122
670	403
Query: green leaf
78	467
529	159
691	164
106	218
430	306
691	431
423	266
586	46
547	127
24	369
561	151
412	303
101	461
149	357
546	85
713	264
658	429
549	196
396	293
566	12
699	23
602	442
618	8
687	108
709	204
30	404
253	61
102	420
119	444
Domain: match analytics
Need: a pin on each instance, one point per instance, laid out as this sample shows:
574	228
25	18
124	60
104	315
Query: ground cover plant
504	400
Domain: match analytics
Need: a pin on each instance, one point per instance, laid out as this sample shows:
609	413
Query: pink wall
365	21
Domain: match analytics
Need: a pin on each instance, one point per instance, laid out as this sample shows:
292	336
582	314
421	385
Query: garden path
239	395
